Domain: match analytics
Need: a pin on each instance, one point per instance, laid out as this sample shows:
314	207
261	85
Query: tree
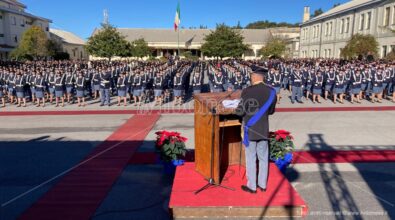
224	42
126	50
360	45
53	47
317	12
275	47
238	26
335	5
107	42
268	24
33	44
140	48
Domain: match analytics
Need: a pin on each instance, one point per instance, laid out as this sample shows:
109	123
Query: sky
82	16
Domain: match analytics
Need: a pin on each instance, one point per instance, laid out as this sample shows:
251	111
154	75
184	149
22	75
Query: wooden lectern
225	140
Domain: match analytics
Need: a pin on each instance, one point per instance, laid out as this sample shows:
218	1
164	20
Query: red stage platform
280	199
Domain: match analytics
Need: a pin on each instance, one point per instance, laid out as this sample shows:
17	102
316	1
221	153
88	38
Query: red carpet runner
79	193
361	156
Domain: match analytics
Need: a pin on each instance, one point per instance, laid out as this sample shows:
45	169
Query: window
16	38
47	29
13	20
1	17
314	32
393	15
361	21
73	53
369	20
22	22
326	29
330	28
384	51
1	35
329	53
386	16
347	25
317	31
341	26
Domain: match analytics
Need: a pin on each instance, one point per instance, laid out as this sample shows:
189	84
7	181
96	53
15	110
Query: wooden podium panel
227	145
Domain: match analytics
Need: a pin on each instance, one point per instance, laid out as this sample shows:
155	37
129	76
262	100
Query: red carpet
78	194
280	192
362	156
186	111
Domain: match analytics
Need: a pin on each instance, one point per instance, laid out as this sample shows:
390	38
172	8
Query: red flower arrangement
281	143
281	135
170	145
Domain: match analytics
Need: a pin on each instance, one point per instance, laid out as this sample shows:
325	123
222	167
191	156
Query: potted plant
281	148
171	148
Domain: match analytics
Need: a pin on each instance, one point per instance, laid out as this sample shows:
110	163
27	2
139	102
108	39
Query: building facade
164	42
327	34
13	22
70	43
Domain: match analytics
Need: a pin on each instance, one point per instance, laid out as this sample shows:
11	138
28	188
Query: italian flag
177	19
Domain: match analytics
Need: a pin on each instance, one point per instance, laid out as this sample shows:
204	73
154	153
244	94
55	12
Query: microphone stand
211	182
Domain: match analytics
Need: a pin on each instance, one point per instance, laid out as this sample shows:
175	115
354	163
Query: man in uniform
257	103
297	86
105	80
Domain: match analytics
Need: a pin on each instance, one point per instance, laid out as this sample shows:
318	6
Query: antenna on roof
105	17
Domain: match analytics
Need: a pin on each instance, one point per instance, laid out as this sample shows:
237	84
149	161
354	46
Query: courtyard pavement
34	149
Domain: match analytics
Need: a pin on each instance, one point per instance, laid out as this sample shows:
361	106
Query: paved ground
94	105
35	149
312	130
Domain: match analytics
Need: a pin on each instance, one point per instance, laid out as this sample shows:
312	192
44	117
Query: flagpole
178	31
178	41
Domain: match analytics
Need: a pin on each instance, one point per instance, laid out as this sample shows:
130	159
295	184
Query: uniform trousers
105	96
260	149
296	91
